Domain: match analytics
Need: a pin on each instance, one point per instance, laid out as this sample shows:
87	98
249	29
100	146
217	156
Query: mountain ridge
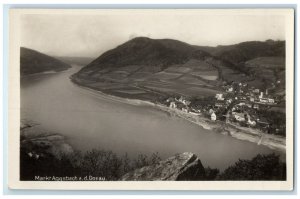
145	51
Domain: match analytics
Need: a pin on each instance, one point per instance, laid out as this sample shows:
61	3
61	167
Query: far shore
274	142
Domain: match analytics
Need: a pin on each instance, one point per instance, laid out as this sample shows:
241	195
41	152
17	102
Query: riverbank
227	129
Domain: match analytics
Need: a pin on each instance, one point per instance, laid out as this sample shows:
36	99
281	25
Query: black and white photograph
203	97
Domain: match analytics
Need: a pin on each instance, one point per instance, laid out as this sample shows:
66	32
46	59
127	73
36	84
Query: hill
158	54
239	53
263	61
144	67
32	61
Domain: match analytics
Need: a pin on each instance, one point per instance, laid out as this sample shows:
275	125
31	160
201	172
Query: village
238	104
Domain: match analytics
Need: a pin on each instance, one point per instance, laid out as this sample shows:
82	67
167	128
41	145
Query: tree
100	163
261	167
211	174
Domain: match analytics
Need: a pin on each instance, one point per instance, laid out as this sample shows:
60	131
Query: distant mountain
238	54
32	61
171	66
249	50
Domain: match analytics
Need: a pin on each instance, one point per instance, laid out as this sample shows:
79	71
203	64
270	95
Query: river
91	120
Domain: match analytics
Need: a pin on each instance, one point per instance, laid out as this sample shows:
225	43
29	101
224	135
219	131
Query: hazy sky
91	35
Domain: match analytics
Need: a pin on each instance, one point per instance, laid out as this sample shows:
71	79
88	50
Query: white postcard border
14	113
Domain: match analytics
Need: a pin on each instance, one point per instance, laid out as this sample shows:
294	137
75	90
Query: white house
261	95
230	89
219	96
184	101
271	100
213	117
239	116
229	101
252	123
173	105
267	100
264	100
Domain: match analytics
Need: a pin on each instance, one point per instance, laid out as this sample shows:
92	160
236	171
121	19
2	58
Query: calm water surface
90	120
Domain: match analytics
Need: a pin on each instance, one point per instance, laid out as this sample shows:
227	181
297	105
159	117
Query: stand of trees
107	165
277	121
101	163
261	167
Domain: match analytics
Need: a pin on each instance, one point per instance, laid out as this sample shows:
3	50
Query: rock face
185	166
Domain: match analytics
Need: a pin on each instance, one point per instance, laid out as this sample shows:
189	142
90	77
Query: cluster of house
251	120
222	101
238	102
241	91
250	97
244	99
244	117
260	97
182	104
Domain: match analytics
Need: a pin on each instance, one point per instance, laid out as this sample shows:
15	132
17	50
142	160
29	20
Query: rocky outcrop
185	166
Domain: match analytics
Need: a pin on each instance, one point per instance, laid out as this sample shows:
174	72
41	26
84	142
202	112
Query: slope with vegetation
144	67
264	61
32	62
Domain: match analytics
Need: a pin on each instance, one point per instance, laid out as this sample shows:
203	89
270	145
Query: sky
90	35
